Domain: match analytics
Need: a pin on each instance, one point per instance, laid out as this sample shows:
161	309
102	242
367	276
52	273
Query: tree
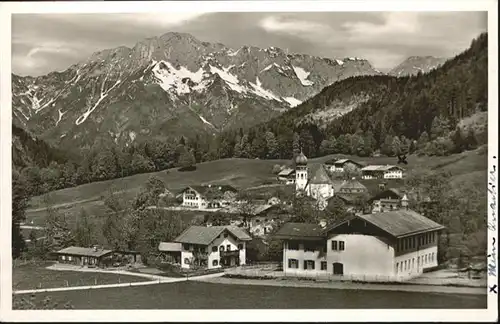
459	142
336	211
296	144
395	146
186	159
471	140
440	127
272	145
19	202
84	231
423	140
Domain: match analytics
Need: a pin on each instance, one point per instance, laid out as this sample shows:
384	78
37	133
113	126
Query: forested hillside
392	114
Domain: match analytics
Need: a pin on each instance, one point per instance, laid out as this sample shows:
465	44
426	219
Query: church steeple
301	172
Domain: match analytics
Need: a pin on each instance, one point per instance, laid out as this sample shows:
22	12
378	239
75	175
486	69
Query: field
31	276
198	295
242	174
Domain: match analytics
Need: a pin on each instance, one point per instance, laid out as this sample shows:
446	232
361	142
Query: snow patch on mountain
231	53
104	94
260	91
205	121
292	101
339	62
231	80
169	77
302	75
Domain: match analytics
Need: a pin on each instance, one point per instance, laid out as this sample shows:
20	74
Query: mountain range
171	85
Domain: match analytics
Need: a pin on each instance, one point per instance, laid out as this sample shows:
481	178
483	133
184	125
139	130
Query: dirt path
161	280
347	285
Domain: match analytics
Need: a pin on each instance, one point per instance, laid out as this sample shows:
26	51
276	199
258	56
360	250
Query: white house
212	247
287	176
342	165
382	172
387	200
391	246
208	196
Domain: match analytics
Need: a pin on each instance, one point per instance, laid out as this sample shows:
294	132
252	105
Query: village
378	239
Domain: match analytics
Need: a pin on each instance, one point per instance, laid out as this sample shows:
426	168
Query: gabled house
342	165
387	200
287	176
208	196
382	172
395	245
212	247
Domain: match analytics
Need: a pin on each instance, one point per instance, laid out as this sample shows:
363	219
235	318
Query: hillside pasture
252	174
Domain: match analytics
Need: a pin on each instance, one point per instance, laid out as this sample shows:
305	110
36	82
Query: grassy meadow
201	295
467	168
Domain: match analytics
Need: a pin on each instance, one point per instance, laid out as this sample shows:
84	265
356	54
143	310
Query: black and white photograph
267	160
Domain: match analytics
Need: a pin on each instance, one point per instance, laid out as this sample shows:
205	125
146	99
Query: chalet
287	176
208	196
211	247
395	245
260	219
382	172
83	256
342	165
352	187
390	199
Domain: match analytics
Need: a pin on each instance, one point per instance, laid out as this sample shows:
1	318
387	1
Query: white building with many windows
392	246
382	172
211	247
208	196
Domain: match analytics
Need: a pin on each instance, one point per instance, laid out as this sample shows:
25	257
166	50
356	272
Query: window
425	259
214	249
413	263
334	245
309	264
293	263
69	258
240	246
215	263
293	245
405	264
397	246
221	248
413	242
397	267
341	246
323	265
63	257
228	247
186	261
401	267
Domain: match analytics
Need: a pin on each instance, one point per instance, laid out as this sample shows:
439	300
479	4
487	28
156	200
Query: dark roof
83	251
401	222
331	161
205	235
353	184
299	231
391	192
286	172
319	175
349	198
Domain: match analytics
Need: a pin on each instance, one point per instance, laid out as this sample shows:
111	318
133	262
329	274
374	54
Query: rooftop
205	235
320	175
211	190
83	251
380	167
286	172
169	246
299	231
401	222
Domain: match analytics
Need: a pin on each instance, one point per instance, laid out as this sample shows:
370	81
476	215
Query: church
315	183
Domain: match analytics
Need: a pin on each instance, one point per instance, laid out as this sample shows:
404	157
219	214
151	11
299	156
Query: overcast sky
42	43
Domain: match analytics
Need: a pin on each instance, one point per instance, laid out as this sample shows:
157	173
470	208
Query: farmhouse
287	176
395	245
83	256
208	196
382	172
387	200
342	165
211	247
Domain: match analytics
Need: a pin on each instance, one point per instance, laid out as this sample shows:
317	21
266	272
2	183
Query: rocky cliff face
170	85
416	64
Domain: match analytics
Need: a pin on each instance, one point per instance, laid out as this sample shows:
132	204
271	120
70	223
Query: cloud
42	43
